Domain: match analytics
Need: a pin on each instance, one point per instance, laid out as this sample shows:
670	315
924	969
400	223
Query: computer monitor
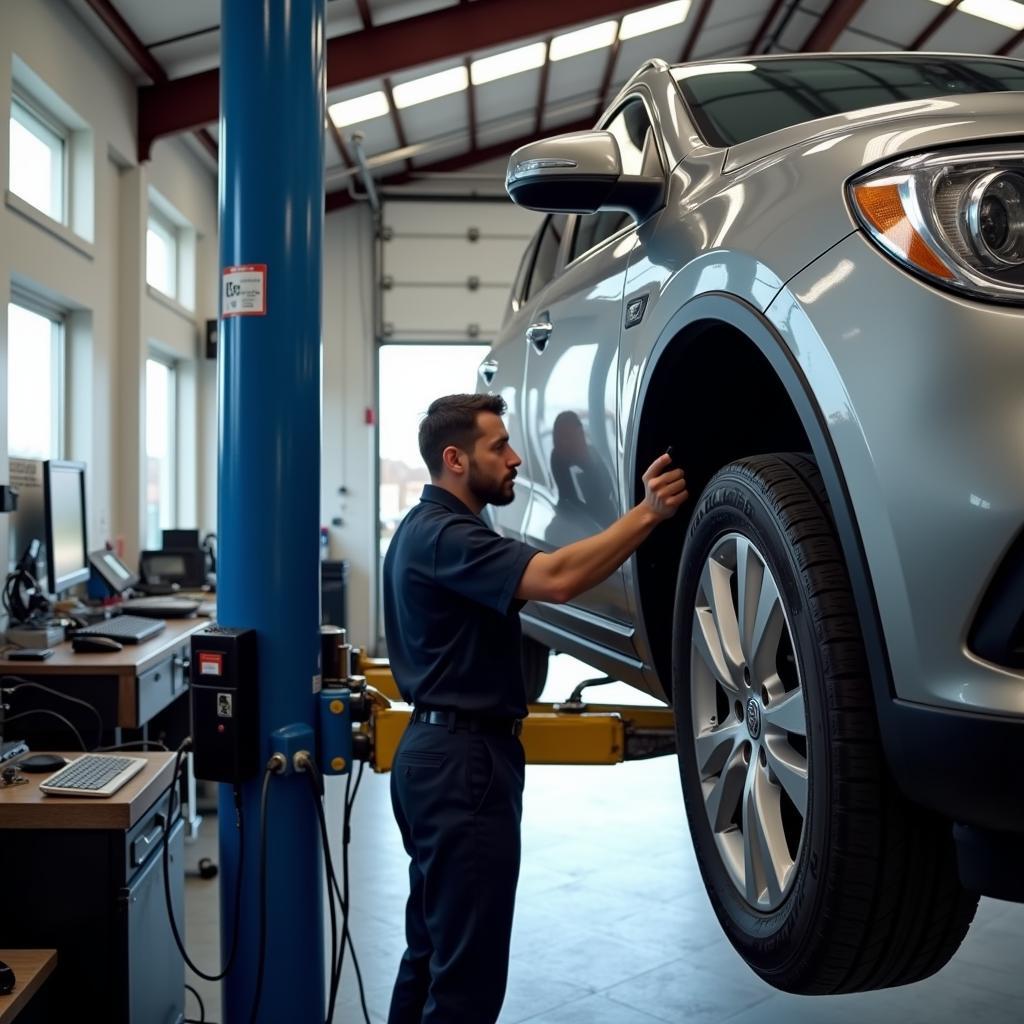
67	550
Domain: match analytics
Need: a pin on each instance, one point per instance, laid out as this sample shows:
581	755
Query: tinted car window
519	284
547	255
732	103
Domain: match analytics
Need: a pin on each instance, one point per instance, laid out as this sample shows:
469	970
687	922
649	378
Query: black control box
225	704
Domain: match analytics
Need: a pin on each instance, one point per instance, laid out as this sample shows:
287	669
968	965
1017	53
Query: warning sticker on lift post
244	291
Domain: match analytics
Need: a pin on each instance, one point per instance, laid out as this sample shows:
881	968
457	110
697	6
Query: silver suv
805	274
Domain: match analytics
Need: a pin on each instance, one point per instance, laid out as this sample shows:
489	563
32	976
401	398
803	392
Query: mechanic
452	593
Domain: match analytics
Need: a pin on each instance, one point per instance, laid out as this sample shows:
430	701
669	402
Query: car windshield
735	101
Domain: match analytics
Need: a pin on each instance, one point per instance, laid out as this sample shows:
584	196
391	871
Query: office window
162	255
161	428
38	164
35	383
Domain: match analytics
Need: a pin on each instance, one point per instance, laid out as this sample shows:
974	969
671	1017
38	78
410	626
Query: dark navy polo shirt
450	613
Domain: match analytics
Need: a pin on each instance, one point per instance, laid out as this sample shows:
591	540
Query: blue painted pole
272	78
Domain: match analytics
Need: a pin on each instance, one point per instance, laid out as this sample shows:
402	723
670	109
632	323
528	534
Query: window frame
56	137
164	228
171	363
602	125
58	319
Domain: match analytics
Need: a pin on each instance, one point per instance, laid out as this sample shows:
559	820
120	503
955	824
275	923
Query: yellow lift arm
552	733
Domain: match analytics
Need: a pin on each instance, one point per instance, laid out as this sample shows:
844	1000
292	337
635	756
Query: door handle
537	334
488	371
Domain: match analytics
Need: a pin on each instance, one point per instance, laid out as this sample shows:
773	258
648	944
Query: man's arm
560	575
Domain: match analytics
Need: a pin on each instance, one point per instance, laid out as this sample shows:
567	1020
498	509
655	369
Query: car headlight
955	217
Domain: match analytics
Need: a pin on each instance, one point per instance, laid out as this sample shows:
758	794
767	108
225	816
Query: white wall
113	316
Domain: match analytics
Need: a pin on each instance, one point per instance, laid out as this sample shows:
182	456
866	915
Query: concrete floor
612	923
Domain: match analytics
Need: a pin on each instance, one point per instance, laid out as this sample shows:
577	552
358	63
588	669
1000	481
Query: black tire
873	898
534	657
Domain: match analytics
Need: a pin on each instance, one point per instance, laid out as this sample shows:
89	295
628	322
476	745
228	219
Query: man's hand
664	491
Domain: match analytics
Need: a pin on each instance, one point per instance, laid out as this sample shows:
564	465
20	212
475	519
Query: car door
571	339
502	373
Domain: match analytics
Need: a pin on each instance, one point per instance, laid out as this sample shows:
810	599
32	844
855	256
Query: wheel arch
784	416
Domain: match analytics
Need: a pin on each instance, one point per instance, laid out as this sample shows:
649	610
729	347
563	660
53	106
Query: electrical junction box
224	699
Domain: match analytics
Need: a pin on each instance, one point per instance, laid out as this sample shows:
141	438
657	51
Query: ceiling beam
364	13
192	101
606	78
542	90
395	119
831	25
340	198
140	53
471	104
762	29
935	24
691	42
125	35
1011	44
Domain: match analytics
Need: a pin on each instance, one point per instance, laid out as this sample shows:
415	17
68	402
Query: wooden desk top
131	660
31	968
28	807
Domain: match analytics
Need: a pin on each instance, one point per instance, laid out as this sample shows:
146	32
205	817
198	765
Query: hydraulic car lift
571	732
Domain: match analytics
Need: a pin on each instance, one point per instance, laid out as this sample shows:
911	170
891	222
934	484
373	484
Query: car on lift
805	274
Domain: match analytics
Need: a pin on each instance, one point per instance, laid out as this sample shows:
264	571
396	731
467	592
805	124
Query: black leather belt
460	721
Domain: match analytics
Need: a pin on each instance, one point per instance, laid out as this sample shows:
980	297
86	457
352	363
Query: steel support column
271	213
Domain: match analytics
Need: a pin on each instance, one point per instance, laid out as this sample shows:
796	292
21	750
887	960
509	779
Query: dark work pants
458	800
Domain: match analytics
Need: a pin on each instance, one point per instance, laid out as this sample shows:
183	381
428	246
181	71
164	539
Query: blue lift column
272	77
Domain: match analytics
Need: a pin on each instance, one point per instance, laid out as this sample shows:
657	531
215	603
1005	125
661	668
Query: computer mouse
95	644
42	763
7	979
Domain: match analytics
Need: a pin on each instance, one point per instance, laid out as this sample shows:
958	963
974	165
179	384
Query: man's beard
488	492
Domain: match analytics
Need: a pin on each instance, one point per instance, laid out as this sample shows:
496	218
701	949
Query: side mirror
579	173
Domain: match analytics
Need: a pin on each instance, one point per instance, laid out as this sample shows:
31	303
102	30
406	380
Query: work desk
86	877
31	968
144	677
27	806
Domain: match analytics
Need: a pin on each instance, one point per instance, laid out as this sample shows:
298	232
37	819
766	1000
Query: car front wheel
823	877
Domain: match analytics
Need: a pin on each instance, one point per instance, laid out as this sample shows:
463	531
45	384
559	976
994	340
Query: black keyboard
128	629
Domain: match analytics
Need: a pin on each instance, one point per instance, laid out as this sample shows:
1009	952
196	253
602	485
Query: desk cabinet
96	895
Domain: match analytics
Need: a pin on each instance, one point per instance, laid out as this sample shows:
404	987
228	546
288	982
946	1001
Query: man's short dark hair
451	420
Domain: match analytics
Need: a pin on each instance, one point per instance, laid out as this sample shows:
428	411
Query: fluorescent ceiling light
639	23
431	87
511	62
362	108
696	71
583	40
1008	13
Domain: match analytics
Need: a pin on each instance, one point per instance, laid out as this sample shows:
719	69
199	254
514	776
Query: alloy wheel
749	722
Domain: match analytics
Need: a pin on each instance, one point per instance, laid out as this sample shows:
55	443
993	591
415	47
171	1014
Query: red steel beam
1011	44
702	16
140	53
364	13
126	36
189	102
340	198
935	24
831	24
762	30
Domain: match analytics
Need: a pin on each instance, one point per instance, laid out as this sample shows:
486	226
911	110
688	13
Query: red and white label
211	663
244	290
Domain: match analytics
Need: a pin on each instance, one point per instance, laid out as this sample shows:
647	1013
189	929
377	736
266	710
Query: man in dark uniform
452	593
